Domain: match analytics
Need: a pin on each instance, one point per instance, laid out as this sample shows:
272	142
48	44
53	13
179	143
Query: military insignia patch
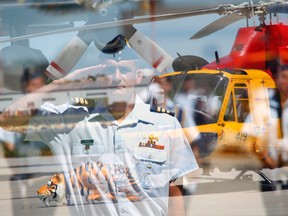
151	143
161	110
87	144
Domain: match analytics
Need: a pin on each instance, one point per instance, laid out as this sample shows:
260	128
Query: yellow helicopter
233	102
235	113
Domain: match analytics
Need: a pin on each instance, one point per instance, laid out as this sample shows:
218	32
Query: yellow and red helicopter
233	101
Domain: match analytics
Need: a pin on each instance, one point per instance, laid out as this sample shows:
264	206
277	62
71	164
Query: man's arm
16	117
176	201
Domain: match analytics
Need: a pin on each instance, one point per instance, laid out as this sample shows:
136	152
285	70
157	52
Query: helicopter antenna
217	58
217	61
247	21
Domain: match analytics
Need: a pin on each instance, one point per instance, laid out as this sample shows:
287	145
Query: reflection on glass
230	112
200	95
242	104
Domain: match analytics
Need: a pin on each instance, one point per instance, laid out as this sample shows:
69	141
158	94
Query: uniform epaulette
79	101
159	109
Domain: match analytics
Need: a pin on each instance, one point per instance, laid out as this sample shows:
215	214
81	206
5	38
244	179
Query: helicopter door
236	114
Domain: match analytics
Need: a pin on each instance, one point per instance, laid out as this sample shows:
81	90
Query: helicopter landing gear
266	185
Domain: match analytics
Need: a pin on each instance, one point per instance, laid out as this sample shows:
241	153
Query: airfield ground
217	194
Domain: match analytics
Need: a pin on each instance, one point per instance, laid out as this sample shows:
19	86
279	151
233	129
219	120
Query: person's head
282	80
166	84
32	80
123	74
18	64
188	84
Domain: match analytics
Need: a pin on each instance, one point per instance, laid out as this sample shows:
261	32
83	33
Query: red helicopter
256	47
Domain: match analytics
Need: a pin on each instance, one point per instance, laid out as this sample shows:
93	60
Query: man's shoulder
159	116
70	107
153	111
83	102
161	110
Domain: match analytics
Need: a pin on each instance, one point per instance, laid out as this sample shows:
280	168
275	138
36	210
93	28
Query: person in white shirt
122	133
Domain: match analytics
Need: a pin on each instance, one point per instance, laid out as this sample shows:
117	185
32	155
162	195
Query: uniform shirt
285	131
151	145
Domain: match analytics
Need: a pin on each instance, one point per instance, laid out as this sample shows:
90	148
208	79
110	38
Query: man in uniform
120	132
282	85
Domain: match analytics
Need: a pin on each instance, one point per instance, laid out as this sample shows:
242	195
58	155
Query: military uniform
285	132
150	144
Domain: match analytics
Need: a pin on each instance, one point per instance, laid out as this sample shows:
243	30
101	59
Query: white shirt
119	144
285	130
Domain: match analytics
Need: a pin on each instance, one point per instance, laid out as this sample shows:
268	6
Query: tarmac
220	193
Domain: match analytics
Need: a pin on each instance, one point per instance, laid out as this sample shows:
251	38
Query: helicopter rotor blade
217	25
149	50
39	3
278	8
135	17
111	24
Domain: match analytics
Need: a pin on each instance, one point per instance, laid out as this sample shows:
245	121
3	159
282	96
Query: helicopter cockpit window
242	104
230	112
200	96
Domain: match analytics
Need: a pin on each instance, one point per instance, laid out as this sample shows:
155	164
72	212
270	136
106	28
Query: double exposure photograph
143	107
